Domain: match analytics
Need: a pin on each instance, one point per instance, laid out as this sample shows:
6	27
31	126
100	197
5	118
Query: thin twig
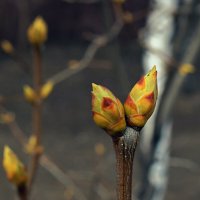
184	163
45	161
97	43
37	113
61	176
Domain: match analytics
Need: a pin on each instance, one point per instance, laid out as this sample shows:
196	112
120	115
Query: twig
61	176
184	163
169	99
21	62
96	43
37	113
125	147
45	162
22	192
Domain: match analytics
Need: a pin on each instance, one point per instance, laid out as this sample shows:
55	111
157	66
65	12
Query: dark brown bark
125	147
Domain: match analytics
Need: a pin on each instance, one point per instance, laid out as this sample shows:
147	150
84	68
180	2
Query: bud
99	149
46	89
29	94
37	31
7	118
7	47
15	170
108	112
32	147
141	101
186	69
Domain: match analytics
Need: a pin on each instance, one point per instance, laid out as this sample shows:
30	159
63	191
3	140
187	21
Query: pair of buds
111	115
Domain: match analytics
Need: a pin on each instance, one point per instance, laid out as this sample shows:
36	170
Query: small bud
29	94
15	170
37	31
46	89
141	101
7	118
7	47
186	69
32	147
108	112
99	149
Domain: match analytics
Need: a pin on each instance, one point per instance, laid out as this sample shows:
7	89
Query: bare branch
44	161
97	43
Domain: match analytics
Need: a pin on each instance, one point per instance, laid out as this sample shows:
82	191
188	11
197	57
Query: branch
96	43
44	161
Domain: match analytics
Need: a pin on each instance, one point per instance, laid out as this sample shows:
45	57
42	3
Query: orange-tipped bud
15	170
37	31
141	101
108	112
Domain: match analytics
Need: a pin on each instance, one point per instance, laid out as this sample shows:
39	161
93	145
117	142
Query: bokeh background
81	162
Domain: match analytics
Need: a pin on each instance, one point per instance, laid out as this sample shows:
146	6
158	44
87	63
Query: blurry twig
36	114
45	162
176	83
96	43
61	176
8	49
184	163
185	10
173	87
169	60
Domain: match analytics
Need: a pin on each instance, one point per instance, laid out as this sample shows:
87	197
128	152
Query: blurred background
110	43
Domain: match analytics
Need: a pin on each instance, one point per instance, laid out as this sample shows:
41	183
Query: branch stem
125	147
37	112
22	192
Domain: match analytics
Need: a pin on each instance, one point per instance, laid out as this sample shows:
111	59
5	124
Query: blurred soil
69	134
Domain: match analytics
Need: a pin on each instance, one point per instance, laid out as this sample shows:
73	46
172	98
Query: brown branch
96	43
22	192
44	161
37	113
125	147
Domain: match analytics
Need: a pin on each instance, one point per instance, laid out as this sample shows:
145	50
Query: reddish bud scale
108	112
141	101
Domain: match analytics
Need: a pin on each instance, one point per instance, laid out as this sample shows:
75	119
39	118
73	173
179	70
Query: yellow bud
37	31
32	147
99	149
29	94
7	47
7	117
108	112
141	101
14	168
186	68
46	89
